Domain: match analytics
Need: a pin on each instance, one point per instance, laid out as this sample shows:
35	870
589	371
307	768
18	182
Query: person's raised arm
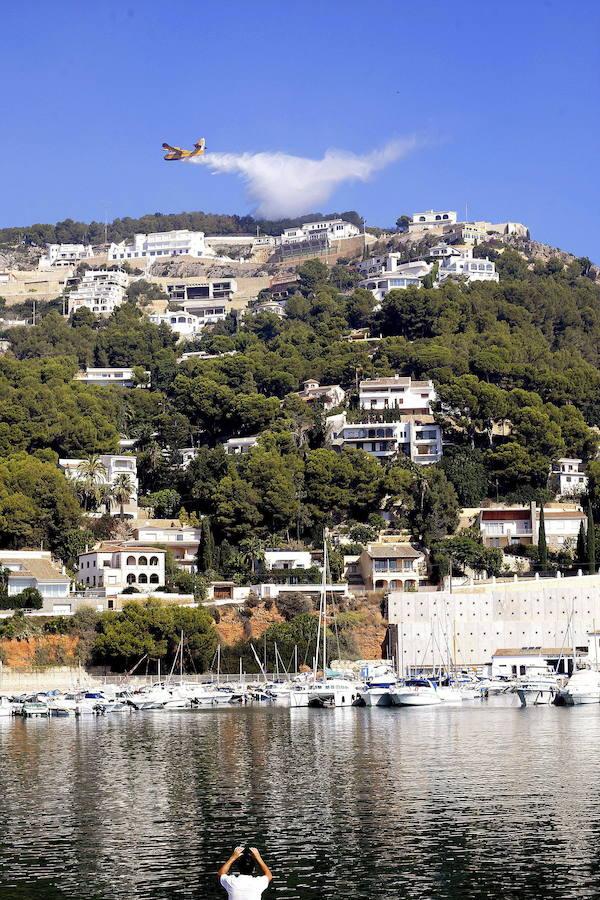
263	866
224	870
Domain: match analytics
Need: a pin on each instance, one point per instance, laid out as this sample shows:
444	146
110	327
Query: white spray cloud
282	185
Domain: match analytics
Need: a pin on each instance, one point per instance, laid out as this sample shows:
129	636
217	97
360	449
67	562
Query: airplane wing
172	149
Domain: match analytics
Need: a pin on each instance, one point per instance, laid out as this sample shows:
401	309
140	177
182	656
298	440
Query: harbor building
123	376
112	467
502	526
160	244
568	478
36	569
115	566
479	618
65	255
99	290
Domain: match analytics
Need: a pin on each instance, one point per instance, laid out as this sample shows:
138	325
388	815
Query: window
143	561
130	561
131	578
154	560
143	579
154	578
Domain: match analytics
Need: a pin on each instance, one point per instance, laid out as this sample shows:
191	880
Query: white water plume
282	185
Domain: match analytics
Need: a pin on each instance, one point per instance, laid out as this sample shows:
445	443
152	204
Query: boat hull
405	698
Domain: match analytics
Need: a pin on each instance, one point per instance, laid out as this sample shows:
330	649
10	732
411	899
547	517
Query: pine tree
581	549
542	543
206	548
591	541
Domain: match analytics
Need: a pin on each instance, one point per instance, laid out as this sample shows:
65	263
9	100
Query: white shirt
244	887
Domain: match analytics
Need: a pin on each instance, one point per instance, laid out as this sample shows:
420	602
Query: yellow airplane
179	153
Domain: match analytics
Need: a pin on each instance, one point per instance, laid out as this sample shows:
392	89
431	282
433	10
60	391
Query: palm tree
90	473
105	495
252	552
122	489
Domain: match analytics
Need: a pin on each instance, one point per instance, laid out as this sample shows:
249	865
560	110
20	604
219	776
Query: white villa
124	376
432	218
211	289
160	244
114	567
289	559
397	392
183	323
238	445
63	255
417	437
114	466
568	478
464	266
99	290
383	284
501	526
36	569
393	263
332	230
330	395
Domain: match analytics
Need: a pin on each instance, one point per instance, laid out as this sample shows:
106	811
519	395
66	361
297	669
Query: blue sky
503	95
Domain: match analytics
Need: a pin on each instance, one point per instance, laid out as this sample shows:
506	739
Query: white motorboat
374	695
582	687
538	687
31	709
330	692
416	692
379	680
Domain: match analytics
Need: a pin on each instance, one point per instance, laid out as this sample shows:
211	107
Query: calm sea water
460	802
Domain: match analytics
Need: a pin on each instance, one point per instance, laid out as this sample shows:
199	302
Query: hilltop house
63	255
180	242
237	445
389	567
417	437
331	229
431	219
210	289
397	392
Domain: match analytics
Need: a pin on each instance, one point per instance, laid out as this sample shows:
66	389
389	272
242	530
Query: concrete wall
473	622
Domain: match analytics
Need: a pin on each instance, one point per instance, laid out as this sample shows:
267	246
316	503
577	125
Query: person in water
246	885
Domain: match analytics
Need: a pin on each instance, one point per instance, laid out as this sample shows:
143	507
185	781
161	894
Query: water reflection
463	802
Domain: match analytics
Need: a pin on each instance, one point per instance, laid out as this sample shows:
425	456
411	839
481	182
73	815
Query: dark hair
246	862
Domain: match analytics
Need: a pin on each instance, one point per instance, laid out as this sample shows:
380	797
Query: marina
446	801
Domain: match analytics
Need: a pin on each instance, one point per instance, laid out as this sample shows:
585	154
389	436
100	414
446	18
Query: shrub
294	604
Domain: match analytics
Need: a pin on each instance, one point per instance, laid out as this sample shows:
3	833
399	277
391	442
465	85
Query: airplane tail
200	146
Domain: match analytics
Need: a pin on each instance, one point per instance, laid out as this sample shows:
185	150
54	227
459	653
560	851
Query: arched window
445	216
395	585
143	561
437	218
131	578
131	560
379	584
143	579
154	578
154	560
421	218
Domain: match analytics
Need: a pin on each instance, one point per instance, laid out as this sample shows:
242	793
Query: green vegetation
516	367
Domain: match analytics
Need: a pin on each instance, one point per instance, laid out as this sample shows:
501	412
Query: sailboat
327	690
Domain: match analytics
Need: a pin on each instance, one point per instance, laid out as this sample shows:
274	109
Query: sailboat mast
218	664
181	659
324	604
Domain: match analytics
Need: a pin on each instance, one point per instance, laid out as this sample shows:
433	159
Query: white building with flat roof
568	477
63	255
235	446
330	230
210	289
206	312
417	437
392	263
399	392
183	323
383	284
478	619
288	559
183	540
123	376
160	244
467	268
431	218
113	466
99	290
115	566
